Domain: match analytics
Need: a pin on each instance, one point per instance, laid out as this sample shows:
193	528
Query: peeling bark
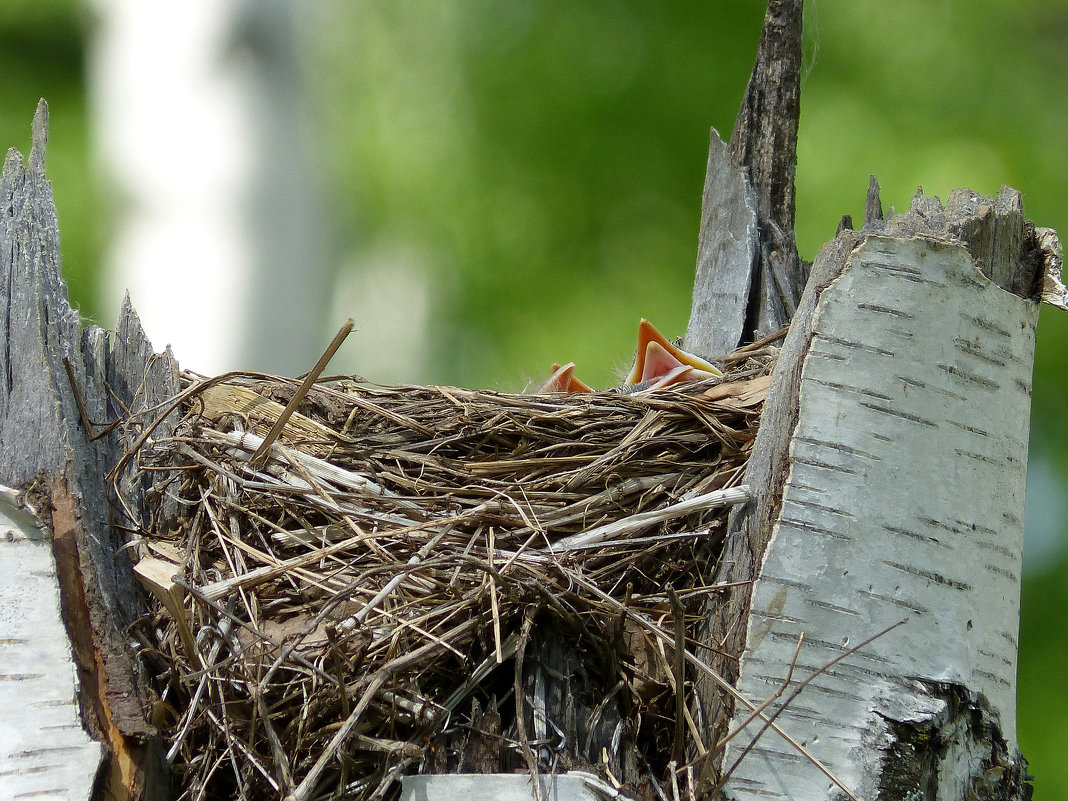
954	725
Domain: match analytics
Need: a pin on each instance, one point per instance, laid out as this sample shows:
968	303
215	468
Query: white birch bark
45	752
903	500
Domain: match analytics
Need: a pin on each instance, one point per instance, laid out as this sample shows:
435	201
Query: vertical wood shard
873	204
726	256
764	144
749	277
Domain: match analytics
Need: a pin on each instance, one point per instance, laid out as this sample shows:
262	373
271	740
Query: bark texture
49	362
889	474
47	748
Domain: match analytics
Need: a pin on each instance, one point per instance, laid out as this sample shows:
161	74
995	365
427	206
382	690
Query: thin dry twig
305	386
769	722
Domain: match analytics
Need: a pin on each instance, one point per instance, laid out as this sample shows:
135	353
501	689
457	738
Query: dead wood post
52	370
749	277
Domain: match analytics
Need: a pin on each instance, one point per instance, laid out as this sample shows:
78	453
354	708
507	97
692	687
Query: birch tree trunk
889	481
875	600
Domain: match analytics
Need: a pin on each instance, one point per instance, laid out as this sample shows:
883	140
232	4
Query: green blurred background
541	165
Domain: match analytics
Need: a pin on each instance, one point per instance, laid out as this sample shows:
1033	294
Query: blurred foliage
548	157
42	54
545	163
1043	680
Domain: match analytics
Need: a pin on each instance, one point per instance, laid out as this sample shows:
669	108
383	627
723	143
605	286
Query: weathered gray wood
749	276
764	143
873	205
897	326
1053	290
43	443
726	256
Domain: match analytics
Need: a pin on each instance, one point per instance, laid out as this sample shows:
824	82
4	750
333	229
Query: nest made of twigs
432	579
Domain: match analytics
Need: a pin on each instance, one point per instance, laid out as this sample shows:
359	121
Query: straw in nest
431	579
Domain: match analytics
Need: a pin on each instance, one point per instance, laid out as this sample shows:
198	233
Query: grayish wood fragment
1053	290
726	256
749	276
873	204
764	143
994	230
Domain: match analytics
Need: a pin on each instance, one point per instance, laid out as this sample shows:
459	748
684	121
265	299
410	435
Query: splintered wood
396	586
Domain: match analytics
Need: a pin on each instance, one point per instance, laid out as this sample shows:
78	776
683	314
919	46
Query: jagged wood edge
764	144
749	277
43	443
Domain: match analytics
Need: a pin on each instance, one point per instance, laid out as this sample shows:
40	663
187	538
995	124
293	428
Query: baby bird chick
658	364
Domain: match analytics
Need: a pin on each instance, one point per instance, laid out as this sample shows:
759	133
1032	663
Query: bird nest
431	579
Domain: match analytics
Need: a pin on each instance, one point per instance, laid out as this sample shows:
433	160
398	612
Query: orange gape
563	380
658	364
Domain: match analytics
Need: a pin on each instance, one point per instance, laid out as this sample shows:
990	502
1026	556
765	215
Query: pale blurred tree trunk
200	124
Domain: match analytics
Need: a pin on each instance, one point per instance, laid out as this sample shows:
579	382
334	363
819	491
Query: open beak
658	364
563	380
661	364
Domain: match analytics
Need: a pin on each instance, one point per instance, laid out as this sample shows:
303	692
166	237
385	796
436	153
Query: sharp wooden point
40	137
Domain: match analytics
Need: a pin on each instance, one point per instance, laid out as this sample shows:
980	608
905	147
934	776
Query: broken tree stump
862	643
888	480
62	385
